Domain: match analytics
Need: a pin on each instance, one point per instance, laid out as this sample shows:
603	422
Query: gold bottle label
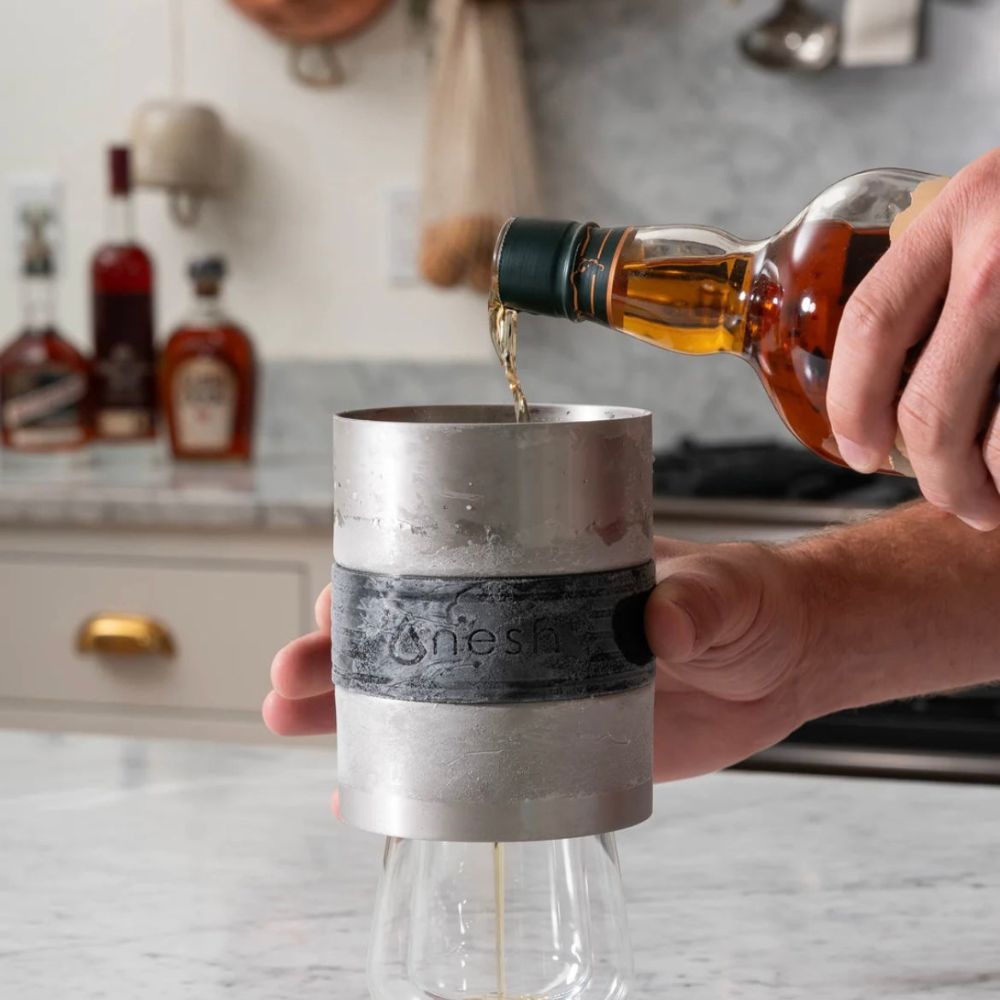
204	403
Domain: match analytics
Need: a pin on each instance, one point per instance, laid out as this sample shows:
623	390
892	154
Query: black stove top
766	470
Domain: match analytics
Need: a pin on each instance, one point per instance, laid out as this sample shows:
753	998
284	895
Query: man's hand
940	280
301	702
752	641
728	625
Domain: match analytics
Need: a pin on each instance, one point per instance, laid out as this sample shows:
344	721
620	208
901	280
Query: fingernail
857	456
979	525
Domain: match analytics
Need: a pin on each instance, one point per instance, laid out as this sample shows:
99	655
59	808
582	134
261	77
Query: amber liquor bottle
207	376
44	380
122	287
776	304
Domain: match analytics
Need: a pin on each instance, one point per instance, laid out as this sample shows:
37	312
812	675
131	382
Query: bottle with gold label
776	303
207	376
44	380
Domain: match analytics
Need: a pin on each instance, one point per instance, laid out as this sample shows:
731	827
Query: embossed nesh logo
413	641
407	648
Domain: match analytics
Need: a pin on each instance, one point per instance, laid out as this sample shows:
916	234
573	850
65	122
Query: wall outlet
403	234
40	189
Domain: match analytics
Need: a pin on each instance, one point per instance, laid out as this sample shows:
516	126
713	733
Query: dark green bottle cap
210	269
535	260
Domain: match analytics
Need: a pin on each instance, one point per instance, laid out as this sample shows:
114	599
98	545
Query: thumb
702	601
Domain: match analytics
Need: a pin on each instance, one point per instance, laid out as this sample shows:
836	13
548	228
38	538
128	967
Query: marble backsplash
645	112
298	397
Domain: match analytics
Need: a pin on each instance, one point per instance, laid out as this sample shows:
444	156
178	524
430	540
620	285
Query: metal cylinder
489	578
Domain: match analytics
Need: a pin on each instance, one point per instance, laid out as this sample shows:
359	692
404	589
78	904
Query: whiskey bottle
122	286
44	380
695	290
207	376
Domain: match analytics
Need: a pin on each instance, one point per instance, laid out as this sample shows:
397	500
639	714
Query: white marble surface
282	494
273	492
135	870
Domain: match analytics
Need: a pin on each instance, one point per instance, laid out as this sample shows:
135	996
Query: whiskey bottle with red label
207	376
44	380
122	286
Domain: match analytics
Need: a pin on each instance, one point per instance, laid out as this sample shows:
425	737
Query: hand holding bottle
938	283
923	300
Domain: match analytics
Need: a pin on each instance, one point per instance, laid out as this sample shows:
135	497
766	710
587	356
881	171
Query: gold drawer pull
119	633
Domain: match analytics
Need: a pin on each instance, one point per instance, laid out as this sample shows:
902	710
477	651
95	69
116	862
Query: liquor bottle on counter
124	359
777	303
44	380
207	376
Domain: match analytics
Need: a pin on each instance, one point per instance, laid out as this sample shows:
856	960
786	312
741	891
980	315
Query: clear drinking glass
536	920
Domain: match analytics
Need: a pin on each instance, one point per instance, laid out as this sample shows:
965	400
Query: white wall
305	230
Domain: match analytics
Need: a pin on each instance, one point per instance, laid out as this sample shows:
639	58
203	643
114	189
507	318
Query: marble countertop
140	870
274	492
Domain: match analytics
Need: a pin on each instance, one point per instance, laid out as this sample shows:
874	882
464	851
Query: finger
302	668
944	406
321	611
890	311
705	600
335	803
304	717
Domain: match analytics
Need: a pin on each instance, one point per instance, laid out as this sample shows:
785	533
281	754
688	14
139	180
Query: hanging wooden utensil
479	158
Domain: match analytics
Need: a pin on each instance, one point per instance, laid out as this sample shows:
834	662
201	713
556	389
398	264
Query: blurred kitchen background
641	111
644	111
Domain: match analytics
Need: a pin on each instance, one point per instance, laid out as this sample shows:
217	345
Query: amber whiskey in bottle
122	289
694	290
44	380
207	376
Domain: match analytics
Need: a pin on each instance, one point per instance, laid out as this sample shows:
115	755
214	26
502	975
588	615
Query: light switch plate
403	233
886	33
35	188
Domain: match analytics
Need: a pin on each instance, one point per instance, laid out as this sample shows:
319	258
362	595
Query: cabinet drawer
225	620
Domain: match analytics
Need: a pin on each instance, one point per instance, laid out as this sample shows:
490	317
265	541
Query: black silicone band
481	641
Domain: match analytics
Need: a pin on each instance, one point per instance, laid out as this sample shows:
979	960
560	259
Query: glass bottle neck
206	310
120	228
685	288
38	303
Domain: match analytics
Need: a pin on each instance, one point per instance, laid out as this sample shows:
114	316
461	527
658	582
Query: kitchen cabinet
227	601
